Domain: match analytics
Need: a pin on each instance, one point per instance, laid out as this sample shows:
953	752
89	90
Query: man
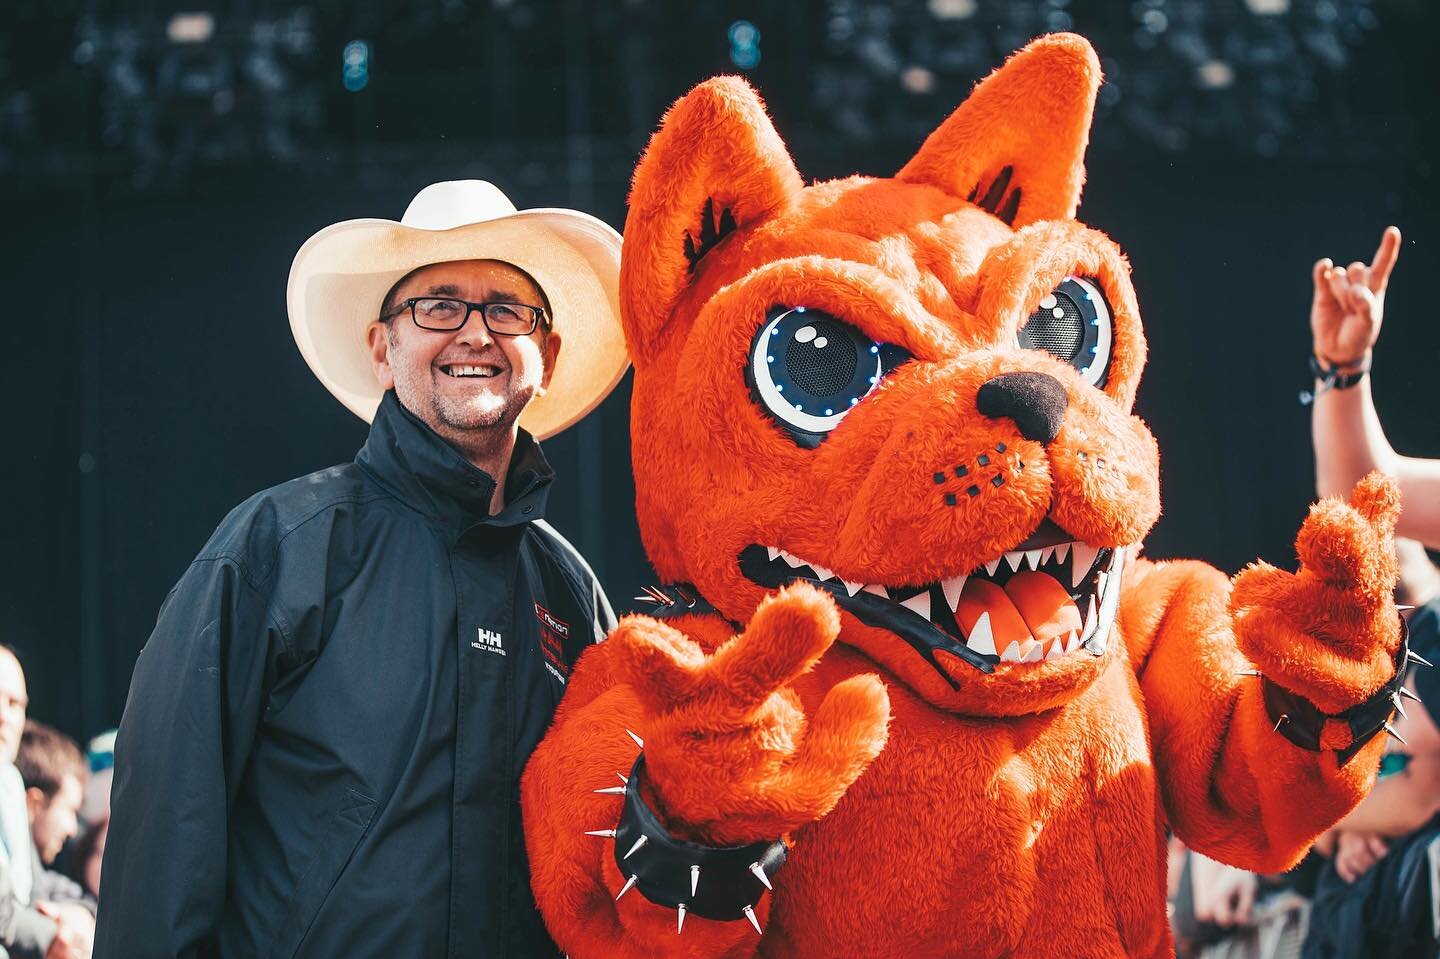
321	750
30	926
54	774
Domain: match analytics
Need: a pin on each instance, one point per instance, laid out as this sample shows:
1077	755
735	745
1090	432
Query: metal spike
639	844
646	599
680	922
1283	719
750	914
626	888
623	778
638	741
612	791
1391	730
1248	672
1408	695
694	879
1402	608
1399	705
759	872
660	597
1418	658
602	833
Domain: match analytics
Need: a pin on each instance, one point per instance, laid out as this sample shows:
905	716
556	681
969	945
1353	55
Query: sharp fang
791	561
1034	652
1057	648
852	588
602	833
1045	554
750	914
638	741
1015	558
612	791
680	922
875	591
639	845
952	589
1011	654
1032	556
758	871
626	888
991	567
821	573
1062	551
981	639
919	603
1100	586
1091	621
773	553
1072	642
694	879
1082	557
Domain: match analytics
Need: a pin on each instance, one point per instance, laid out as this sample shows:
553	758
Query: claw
626	888
602	833
638	741
750	914
759	872
1391	730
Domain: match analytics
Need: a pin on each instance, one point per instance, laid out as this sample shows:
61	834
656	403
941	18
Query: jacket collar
428	474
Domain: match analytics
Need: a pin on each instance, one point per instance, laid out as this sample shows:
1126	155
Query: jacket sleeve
195	701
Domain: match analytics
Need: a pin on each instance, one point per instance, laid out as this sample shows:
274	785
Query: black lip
922	635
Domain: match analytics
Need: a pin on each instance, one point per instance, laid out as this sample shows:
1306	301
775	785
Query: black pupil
1060	336
823	364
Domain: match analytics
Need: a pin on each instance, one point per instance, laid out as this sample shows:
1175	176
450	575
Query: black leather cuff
1298	720
714	882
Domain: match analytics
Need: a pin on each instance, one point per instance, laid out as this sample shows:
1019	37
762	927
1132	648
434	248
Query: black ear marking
711	232
1000	199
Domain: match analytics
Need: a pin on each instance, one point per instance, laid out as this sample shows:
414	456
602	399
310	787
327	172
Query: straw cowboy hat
341	275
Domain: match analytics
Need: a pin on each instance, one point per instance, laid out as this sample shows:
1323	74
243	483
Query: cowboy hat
342	274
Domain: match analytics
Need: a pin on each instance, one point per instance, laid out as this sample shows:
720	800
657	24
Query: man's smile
482	370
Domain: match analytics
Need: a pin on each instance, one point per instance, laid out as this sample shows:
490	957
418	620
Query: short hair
47	756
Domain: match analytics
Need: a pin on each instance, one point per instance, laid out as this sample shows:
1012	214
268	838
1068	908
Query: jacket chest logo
553	635
488	640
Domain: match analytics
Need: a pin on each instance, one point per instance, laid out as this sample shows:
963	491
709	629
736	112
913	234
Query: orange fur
1020	813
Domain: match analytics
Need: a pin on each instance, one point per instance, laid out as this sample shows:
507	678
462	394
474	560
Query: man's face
54	819
501	373
14	700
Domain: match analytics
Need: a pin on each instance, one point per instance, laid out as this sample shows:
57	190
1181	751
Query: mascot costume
907	688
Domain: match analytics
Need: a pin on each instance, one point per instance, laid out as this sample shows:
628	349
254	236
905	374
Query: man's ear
377	335
35	800
551	349
716	165
1016	146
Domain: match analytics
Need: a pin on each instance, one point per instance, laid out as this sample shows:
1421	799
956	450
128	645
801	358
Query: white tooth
1014	559
1061	552
772	552
1091	621
992	566
1082	557
1032	556
791	561
876	590
1072	642
1034	652
821	572
1057	648
1100	579
1045	554
1011	654
981	639
920	603
952	588
851	588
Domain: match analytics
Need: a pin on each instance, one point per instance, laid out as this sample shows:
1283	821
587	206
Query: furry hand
1329	631
730	755
1349	304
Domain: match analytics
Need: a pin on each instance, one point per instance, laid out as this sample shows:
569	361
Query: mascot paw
1328	632
730	756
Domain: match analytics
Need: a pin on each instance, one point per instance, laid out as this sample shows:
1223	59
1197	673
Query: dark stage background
155	183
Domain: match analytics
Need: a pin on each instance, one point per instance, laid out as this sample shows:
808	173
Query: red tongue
1030	604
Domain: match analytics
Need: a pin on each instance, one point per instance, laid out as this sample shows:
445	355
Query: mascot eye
1073	325
809	369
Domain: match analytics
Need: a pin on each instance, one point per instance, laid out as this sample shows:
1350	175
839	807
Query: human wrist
1344	367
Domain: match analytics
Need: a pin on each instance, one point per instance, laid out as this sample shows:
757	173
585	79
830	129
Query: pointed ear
715	165
1017	146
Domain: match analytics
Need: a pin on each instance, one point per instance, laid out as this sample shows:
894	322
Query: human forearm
1349	440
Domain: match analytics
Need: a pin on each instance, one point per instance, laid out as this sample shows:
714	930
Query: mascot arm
729	759
1325	637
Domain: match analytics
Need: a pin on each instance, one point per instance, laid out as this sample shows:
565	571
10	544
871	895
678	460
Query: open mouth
1034	604
463	370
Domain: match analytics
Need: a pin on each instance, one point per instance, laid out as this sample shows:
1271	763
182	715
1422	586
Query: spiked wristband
1298	720
721	883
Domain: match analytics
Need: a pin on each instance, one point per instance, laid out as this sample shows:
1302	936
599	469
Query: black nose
1035	402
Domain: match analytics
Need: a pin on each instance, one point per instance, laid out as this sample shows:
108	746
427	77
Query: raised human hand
1329	631
1349	304
1356	853
730	756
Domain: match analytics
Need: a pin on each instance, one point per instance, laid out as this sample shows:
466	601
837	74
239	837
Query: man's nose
1035	401
474	330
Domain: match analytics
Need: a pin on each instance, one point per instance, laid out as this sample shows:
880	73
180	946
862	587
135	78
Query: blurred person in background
54	774
82	858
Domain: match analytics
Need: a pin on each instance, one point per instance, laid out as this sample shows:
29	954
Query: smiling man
322	747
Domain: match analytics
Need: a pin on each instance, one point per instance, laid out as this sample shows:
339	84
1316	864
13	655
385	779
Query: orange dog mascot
910	691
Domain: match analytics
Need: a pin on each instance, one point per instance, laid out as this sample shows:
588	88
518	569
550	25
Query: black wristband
1298	719
1332	379
716	882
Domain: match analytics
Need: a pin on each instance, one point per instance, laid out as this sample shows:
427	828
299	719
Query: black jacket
322	746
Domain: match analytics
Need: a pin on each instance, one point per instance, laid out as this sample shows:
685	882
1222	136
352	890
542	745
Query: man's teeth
471	370
1098	608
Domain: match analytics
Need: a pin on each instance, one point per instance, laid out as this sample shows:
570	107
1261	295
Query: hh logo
489	640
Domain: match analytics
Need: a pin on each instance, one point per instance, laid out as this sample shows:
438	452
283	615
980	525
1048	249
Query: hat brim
340	276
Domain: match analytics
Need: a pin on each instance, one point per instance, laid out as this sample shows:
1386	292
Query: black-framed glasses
446	314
